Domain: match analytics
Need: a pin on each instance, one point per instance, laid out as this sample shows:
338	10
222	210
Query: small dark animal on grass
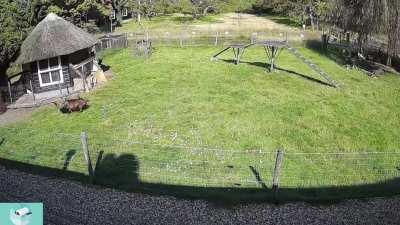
72	105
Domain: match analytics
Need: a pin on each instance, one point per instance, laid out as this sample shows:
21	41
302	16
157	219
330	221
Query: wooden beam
84	82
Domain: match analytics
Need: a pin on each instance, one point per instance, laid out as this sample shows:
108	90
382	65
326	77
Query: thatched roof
54	36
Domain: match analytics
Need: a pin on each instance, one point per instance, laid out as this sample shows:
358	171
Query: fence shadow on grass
121	172
117	171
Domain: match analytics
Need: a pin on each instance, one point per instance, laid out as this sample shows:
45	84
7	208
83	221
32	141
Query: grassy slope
181	93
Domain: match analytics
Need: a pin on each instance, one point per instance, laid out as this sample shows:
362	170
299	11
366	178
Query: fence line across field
188	38
236	167
109	142
130	142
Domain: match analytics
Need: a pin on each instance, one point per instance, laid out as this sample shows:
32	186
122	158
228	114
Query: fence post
216	39
59	88
277	171
33	93
85	148
9	91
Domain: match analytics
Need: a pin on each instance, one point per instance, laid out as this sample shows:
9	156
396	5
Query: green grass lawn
179	101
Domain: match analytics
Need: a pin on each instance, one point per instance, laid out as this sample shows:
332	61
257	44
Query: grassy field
167	21
180	119
221	25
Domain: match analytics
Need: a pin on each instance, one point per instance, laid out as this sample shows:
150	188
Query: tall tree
393	21
363	17
15	24
119	6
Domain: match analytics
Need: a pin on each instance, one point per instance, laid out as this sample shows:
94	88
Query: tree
363	17
118	6
76	11
202	7
393	21
15	24
142	8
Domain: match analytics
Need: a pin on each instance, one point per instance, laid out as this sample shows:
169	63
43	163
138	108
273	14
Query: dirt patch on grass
224	26
244	22
241	24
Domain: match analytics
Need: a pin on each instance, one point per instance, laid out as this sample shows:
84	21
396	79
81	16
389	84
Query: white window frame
49	70
125	12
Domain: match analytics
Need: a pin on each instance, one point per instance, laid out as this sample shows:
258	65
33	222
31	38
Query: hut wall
79	56
81	61
68	82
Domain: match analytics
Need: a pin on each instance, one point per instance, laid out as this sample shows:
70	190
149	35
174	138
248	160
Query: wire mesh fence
127	162
193	38
182	165
339	168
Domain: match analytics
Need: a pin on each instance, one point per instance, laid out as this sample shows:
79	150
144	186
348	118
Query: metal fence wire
193	38
174	164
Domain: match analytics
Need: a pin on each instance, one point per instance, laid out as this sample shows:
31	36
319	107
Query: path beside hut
12	116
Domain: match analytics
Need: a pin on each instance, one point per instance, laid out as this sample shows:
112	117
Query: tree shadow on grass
335	54
267	66
344	55
117	170
190	19
286	21
121	172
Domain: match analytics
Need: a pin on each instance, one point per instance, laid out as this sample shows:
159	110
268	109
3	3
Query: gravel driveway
71	203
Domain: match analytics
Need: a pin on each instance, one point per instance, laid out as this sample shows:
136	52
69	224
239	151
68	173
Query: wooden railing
75	69
15	87
81	66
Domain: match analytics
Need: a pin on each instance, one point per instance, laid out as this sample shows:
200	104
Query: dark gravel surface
71	203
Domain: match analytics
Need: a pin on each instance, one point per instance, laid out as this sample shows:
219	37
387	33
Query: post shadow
258	177
68	157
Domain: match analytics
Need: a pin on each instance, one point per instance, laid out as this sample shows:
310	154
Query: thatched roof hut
52	37
50	49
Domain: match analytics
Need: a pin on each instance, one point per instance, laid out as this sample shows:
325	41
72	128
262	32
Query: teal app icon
21	214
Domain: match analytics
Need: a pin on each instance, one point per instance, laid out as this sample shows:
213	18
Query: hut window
112	14
50	71
125	12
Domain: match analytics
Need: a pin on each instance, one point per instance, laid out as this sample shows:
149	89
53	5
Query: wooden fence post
9	91
277	171
59	88
85	148
181	41
83	77
33	93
